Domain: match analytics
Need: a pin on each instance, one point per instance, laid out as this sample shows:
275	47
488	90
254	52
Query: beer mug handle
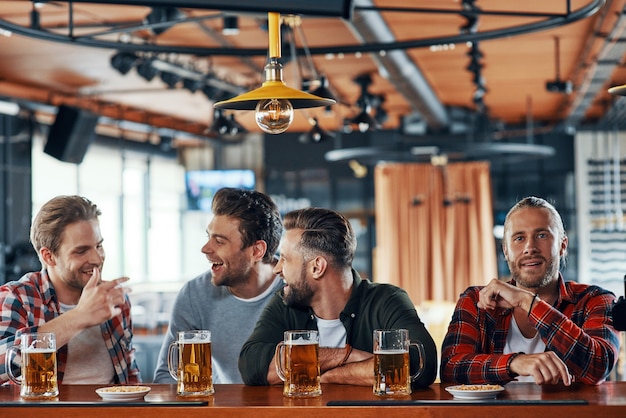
420	370
280	360
172	359
12	352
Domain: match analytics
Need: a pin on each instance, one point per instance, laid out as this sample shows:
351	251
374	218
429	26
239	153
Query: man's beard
552	269
299	294
234	276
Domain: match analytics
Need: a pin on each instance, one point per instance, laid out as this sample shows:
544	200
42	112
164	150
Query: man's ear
319	265
46	256
258	249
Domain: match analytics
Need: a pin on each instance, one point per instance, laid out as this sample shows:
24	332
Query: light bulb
274	116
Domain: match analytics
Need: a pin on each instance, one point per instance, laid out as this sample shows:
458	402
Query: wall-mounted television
201	185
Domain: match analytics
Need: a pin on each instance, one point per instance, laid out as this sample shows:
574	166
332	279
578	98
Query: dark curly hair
258	215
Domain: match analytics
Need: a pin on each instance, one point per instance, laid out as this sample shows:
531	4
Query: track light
225	125
381	115
192	84
322	90
471	26
220	125
161	19
364	121
235	127
166	143
170	79
316	134
231	26
146	70
123	62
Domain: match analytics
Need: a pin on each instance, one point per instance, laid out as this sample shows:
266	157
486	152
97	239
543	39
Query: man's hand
100	300
98	303
499	294
545	368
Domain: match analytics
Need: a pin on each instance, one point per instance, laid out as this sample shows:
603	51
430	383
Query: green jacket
371	306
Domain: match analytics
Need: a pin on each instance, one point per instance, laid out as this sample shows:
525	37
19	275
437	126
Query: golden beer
302	369
195	374
38	352
392	373
39	373
298	365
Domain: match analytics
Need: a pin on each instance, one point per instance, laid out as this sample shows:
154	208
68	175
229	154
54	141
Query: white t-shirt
517	343
88	360
332	333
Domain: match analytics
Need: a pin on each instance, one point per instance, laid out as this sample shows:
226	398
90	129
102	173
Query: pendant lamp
274	101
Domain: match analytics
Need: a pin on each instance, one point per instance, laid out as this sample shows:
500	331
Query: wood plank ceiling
426	81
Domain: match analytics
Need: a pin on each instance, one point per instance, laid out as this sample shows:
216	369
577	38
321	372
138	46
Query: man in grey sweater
227	300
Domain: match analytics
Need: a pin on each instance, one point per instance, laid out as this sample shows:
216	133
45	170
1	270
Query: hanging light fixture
231	25
364	120
274	101
323	90
225	125
316	134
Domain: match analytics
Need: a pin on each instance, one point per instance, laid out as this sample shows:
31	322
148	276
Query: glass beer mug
297	363
191	366
392	365
39	365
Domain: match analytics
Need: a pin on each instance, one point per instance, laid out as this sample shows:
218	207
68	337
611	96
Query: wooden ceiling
419	69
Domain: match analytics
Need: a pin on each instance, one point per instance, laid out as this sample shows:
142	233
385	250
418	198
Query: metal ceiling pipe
398	67
602	65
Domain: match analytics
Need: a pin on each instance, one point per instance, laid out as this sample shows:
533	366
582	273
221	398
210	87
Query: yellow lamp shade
618	90
274	89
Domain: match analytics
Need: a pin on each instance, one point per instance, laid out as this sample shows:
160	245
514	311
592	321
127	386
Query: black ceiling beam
336	8
88	40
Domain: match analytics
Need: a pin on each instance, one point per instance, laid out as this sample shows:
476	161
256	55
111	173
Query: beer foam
39	350
196	341
300	342
395	351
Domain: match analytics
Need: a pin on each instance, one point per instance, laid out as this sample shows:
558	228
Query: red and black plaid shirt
579	329
30	302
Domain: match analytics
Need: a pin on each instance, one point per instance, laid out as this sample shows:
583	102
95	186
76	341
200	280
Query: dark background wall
295	171
15	196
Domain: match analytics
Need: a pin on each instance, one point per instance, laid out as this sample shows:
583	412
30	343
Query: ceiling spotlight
166	143
381	115
161	19
221	125
192	84
235	127
231	25
123	62
316	134
323	90
364	121
170	79
146	70
225	125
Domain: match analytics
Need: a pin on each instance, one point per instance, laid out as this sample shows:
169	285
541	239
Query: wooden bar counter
239	401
